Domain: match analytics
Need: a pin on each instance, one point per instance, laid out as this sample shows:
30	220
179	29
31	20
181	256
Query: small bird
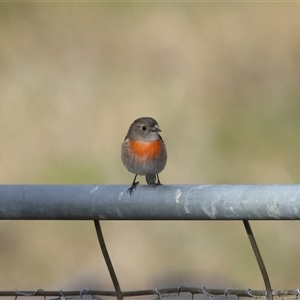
144	151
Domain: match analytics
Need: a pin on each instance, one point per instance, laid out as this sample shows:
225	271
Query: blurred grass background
221	79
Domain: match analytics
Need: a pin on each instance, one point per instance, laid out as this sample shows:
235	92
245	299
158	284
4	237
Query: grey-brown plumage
144	151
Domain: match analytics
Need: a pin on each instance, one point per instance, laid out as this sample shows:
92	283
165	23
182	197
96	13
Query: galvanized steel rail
166	202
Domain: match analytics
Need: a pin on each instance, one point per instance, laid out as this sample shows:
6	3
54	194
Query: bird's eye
143	127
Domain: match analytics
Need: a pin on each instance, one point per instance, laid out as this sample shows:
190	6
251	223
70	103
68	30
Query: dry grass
222	79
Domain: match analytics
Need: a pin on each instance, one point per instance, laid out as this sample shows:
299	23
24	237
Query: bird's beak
156	129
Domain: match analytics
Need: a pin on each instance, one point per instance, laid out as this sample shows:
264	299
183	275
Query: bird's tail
151	179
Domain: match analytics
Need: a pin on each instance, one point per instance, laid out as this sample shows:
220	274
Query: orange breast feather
146	149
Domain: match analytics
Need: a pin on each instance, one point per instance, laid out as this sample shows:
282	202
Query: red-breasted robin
144	151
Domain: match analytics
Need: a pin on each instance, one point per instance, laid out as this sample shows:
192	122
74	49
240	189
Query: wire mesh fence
201	202
181	292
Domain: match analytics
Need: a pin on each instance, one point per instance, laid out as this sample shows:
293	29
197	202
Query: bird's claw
133	186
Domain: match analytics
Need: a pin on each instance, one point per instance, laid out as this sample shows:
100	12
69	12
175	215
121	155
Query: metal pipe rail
166	202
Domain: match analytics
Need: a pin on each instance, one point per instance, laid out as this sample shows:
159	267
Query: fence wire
156	293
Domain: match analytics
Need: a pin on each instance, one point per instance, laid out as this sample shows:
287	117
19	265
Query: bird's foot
133	186
155	184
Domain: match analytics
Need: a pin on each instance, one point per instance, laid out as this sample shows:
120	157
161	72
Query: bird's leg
158	181
133	186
